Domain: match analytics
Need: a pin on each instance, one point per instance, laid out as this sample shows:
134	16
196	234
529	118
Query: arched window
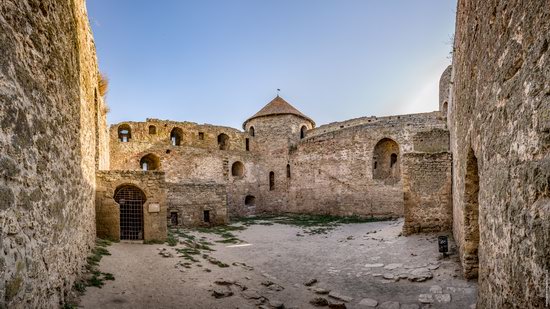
223	141
176	136
445	106
237	169
288	171
271	181
152	129
393	159
303	131
124	133
251	131
149	162
130	200
247	144
386	161
250	200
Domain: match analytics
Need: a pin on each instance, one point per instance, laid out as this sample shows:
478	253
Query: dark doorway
176	136
174	218
250	200
206	216
131	200
471	217
271	181
223	141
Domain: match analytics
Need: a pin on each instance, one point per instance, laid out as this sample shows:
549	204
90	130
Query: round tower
277	126
273	132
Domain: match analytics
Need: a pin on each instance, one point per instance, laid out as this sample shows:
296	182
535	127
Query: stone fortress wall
339	169
499	115
282	163
52	140
494	113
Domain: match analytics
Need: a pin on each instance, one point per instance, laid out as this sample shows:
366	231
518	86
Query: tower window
223	141
271	181
176	136
303	131
237	169
247	144
152	130
124	133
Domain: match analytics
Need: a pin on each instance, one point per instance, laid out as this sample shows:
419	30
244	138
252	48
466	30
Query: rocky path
365	265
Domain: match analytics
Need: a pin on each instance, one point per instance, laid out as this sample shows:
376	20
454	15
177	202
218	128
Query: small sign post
443	242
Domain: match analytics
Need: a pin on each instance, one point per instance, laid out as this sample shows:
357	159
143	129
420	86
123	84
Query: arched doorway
176	136
237	169
223	141
130	199
250	200
124	133
386	161
471	217
303	131
149	162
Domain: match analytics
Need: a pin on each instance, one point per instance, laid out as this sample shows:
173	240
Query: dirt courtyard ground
356	265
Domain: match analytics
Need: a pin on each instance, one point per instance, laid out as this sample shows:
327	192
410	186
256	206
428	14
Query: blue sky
220	61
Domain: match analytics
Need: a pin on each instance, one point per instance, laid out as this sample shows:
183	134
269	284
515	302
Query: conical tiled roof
278	106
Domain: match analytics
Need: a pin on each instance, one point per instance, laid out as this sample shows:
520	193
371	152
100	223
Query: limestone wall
194	160
49	137
190	200
333	172
426	120
427	192
151	183
500	139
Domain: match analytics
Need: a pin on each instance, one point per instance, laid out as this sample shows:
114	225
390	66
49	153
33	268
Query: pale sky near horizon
219	62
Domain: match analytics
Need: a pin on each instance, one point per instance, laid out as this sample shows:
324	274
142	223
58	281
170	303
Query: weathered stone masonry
56	163
52	137
281	163
109	212
499	117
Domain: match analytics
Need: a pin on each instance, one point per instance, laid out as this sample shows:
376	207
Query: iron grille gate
131	200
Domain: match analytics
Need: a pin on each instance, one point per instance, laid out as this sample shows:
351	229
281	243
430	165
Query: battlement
427	120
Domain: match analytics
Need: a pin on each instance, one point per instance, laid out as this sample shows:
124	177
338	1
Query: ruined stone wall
427	192
123	155
195	160
426	120
190	200
333	172
151	183
48	129
500	139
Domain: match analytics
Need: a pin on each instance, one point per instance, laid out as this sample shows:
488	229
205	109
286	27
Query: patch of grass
224	231
311	224
108	276
171	240
187	253
79	286
95	277
96	281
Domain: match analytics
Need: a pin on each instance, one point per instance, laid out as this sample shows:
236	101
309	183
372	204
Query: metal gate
131	200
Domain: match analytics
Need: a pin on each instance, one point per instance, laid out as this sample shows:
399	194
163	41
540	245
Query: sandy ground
359	263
